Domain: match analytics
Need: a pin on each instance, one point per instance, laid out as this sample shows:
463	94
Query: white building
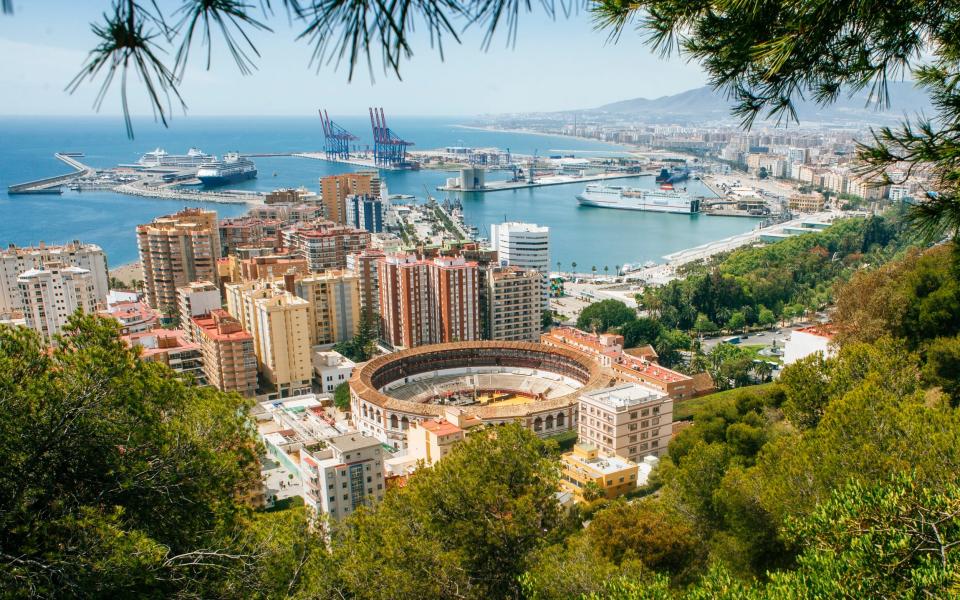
331	369
807	341
196	299
526	246
344	475
49	295
14	261
629	420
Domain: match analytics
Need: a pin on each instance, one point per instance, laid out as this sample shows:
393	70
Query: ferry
159	158
666	199
231	169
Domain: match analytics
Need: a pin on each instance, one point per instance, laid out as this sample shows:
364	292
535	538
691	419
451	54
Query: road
764	338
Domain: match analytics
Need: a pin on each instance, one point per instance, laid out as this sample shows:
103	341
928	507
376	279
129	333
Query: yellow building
282	340
614	476
334	190
334	304
432	439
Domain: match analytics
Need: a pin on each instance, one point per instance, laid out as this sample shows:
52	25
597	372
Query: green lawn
684	410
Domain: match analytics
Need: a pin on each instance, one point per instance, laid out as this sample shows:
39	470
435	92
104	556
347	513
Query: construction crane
336	139
389	149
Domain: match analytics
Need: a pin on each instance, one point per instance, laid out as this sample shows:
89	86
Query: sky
554	65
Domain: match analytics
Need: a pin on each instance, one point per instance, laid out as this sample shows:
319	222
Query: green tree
607	314
737	321
592	491
116	478
341	396
765	317
465	526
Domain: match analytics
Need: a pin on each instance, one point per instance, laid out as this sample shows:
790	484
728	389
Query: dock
173	193
357	161
500	186
52	185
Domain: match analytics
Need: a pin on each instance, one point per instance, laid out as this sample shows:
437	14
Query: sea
587	236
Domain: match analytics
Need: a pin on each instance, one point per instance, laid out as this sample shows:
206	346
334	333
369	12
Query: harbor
500	186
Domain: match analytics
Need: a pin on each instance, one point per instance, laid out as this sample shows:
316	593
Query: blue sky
554	65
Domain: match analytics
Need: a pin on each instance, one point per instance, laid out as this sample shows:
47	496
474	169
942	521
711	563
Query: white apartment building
49	295
524	245
15	260
342	476
196	299
629	420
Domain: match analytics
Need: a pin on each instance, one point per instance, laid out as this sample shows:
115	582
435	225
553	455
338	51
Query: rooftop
353	441
440	427
622	397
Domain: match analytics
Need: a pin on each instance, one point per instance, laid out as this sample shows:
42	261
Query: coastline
629	148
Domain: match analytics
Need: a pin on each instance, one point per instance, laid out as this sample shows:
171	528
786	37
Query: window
346	496
645	424
633	438
344	485
644	412
633	415
656	410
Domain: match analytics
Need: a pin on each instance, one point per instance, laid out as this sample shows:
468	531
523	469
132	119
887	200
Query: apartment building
524	245
428	301
281	324
432	439
53	292
331	369
133	316
176	250
335	189
365	266
344	475
514	308
229	359
806	203
324	244
613	475
628	420
195	299
16	260
333	299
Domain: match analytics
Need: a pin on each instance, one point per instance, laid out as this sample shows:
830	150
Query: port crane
336	139
389	149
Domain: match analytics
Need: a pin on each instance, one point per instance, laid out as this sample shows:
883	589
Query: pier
499	186
174	193
51	185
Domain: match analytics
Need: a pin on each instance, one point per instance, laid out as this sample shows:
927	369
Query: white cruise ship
665	199
231	169
160	158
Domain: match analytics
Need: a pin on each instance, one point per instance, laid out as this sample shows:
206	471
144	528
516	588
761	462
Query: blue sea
588	236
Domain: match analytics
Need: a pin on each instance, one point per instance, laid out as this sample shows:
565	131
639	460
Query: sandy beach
127	273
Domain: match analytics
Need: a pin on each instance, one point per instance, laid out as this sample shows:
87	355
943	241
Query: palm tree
617	269
763	370
573	266
606	269
594	269
558	266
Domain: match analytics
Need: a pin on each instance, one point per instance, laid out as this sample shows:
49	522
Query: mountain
706	104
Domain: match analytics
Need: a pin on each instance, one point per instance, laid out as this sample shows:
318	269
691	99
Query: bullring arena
495	382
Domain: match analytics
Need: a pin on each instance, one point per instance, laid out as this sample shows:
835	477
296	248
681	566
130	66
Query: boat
159	158
231	169
674	175
665	200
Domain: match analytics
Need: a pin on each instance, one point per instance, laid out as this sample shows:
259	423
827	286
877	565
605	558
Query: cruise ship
665	199
231	169
159	158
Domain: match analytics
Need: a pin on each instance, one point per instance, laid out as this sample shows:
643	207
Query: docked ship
665	200
160	158
674	175
231	169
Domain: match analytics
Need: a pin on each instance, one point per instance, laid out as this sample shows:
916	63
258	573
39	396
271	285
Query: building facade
229	359
172	347
629	420
524	245
324	244
514	304
195	299
176	250
613	476
282	321
15	260
333	299
335	189
50	294
343	476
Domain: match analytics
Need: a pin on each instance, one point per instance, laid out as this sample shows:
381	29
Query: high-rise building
628	420
176	250
195	299
365	266
526	246
333	299
49	295
428	301
334	190
345	475
514	304
281	322
366	212
15	260
229	359
325	244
